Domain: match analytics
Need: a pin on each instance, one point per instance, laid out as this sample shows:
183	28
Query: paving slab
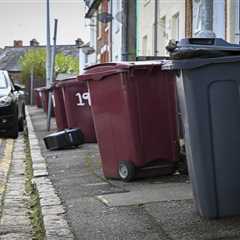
152	194
15	222
180	220
55	224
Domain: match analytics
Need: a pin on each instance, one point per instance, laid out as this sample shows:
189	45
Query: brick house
113	29
96	10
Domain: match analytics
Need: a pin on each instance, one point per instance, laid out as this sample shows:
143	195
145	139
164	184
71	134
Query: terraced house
132	29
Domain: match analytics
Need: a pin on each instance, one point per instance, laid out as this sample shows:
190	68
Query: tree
35	60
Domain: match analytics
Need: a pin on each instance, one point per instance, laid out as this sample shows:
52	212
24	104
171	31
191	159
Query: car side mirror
18	87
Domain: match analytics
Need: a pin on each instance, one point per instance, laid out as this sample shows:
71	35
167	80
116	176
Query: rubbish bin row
135	115
131	114
71	106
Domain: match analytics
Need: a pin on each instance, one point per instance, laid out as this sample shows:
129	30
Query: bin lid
197	62
65	76
65	82
41	88
100	71
120	65
202	48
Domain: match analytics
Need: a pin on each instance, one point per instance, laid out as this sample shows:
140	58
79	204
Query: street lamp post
48	46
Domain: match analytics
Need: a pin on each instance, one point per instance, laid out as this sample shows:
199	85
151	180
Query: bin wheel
126	171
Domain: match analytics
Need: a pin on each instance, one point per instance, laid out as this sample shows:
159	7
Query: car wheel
13	133
21	124
126	171
23	112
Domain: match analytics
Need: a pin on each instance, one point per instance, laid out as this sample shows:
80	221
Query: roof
9	56
92	6
9	59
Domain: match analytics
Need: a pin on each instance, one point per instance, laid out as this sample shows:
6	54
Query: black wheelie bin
208	85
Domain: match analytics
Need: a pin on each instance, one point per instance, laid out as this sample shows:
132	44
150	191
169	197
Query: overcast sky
26	19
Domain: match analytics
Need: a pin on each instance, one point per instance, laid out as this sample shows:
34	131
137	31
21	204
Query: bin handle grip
101	75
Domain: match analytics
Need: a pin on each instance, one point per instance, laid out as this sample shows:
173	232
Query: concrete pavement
15	223
151	209
55	224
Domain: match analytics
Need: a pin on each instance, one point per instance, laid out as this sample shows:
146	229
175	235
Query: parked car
12	106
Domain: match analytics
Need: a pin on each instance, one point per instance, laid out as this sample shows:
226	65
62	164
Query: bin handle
99	76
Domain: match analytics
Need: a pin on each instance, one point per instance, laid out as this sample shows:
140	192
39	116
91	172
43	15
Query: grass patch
34	203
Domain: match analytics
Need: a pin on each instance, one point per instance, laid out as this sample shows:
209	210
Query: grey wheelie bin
208	84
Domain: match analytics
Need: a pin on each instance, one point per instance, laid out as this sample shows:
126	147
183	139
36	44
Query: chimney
18	43
34	43
78	42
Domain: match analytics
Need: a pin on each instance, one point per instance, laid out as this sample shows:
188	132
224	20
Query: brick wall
103	31
188	18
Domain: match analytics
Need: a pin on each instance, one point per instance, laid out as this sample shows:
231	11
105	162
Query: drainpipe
156	27
124	30
239	20
138	27
48	46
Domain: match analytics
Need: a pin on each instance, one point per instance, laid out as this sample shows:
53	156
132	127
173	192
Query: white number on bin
82	98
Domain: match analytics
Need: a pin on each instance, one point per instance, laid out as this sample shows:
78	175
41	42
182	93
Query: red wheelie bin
77	107
38	97
134	111
58	107
45	94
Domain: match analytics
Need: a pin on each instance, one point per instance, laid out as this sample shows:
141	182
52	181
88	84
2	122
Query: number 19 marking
81	97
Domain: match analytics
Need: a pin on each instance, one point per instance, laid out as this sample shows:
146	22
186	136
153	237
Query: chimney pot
17	43
78	42
34	43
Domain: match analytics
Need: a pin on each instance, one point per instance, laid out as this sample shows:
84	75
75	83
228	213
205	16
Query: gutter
156	28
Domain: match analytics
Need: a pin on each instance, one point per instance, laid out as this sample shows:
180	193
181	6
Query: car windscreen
3	81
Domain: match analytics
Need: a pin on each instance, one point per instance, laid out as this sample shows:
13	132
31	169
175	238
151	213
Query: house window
163	27
108	10
175	26
219	18
237	22
197	19
117	14
163	37
145	45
